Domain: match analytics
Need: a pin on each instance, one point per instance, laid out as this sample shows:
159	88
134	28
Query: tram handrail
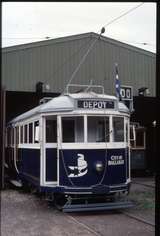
84	85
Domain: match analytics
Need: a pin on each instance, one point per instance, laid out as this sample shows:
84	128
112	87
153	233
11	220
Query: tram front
93	146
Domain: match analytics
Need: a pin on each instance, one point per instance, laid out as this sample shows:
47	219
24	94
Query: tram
74	148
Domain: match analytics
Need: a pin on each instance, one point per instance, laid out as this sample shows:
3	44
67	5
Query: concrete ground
25	214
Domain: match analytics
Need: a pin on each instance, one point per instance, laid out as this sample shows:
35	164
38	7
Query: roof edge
73	37
46	42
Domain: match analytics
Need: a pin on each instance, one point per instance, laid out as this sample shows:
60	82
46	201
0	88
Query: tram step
16	183
97	206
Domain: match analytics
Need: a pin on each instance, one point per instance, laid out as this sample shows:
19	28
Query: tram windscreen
118	129
98	129
72	129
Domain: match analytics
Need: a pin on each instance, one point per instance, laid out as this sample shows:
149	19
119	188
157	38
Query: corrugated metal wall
54	61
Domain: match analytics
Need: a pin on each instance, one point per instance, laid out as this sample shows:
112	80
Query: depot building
42	69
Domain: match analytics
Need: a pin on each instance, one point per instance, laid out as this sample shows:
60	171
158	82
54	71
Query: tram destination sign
95	104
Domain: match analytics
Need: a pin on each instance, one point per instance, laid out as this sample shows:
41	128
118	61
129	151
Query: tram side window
17	135
21	134
25	134
127	130
118	129
51	131
98	129
12	136
36	132
31	133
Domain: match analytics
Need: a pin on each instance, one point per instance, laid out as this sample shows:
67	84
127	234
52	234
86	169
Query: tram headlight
99	166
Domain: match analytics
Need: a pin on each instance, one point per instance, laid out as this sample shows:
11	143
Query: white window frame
92	145
102	116
46	145
112	133
84	132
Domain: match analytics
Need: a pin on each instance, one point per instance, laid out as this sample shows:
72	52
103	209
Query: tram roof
66	103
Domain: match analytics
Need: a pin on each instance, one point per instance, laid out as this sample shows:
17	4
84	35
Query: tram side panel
29	167
51	164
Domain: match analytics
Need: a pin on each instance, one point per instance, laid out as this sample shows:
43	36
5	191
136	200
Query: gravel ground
144	198
24	214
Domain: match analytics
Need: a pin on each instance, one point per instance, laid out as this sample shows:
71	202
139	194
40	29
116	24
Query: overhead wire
47	37
125	13
91	46
122	15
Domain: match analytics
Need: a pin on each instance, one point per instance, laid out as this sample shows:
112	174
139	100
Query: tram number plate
126	93
90	104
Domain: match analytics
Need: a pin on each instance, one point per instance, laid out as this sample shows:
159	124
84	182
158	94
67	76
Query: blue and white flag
117	83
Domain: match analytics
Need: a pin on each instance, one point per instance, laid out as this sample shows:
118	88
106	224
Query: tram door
50	149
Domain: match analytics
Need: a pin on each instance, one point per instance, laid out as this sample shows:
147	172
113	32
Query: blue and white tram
75	146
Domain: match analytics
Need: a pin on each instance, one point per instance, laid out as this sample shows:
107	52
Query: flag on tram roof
117	82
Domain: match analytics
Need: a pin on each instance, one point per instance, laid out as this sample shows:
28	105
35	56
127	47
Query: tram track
90	229
146	185
137	218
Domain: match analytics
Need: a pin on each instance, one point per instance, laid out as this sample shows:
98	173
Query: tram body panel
51	165
113	172
30	162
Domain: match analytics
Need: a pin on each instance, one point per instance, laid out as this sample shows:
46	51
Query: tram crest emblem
81	168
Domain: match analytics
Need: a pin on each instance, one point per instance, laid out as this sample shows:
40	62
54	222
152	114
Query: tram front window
118	129
98	129
72	129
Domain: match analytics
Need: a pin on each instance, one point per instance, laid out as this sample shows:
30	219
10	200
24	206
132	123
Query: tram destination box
95	104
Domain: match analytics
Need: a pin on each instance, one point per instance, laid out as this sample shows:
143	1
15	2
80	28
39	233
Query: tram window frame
30	133
12	136
98	137
17	135
127	130
36	131
51	137
119	139
26	133
21	134
132	133
75	136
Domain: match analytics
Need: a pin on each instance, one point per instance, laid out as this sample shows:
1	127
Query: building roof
75	37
